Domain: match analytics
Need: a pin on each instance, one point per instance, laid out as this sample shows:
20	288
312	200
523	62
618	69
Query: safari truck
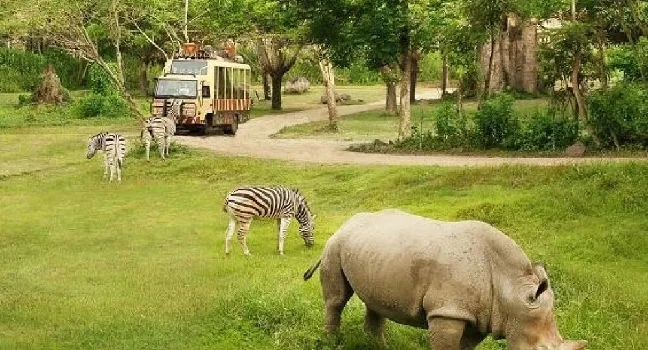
213	87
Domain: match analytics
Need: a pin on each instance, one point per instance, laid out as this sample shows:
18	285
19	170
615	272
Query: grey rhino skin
460	280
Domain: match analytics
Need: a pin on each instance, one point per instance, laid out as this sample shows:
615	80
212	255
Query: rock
576	150
296	86
338	98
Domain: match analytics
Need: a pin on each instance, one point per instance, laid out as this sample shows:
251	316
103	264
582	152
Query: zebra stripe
281	203
113	147
161	129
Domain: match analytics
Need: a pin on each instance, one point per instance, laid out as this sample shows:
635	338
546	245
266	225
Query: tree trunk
143	76
489	73
444	74
580	101
266	86
414	78
391	107
602	66
405	126
277	78
328	76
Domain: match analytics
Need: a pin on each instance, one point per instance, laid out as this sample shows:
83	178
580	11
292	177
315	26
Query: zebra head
306	222
176	108
94	143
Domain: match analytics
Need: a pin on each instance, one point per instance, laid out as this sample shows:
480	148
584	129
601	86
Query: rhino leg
471	338
337	292
446	333
374	324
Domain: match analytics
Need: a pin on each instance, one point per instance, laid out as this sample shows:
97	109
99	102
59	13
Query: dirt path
253	140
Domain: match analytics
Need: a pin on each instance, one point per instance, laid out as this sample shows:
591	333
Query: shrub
547	132
20	70
99	81
495	123
95	105
619	116
451	129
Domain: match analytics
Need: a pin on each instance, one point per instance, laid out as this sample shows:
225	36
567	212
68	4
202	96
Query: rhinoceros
460	280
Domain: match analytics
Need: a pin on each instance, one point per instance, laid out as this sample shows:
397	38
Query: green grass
378	125
311	99
89	265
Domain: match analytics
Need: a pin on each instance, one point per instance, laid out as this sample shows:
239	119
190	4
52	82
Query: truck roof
216	62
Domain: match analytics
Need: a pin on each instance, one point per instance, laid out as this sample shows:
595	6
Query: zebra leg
160	143
229	234
244	227
168	145
118	166
112	169
283	231
106	165
147	145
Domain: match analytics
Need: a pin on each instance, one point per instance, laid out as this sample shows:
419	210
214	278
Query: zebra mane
302	200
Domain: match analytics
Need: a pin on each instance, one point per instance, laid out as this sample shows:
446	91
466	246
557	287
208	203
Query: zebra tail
308	274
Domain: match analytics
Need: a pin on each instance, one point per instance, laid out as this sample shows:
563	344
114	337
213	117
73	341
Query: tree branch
151	41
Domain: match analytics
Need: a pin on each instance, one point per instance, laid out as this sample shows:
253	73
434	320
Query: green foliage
495	123
430	67
619	116
21	70
99	81
451	128
632	60
547	132
98	105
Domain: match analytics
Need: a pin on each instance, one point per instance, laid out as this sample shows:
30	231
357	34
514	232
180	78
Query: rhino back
405	266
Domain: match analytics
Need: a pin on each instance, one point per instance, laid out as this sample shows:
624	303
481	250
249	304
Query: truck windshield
176	88
189	67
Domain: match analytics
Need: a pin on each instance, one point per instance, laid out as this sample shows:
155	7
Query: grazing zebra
113	147
161	129
282	203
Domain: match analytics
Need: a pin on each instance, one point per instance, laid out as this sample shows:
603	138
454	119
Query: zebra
282	203
161	129
113	147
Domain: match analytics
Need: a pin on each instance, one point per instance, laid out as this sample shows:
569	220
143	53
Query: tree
328	77
271	25
83	28
387	33
489	15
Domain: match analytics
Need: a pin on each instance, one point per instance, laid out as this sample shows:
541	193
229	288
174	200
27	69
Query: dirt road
253	140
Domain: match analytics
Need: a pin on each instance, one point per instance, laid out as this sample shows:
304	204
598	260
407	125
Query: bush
619	116
20	70
95	105
451	129
99	81
547	132
495	123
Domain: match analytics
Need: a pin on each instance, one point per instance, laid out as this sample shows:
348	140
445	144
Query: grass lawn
311	99
140	265
368	126
39	116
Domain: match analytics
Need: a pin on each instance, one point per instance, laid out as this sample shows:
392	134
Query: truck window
189	67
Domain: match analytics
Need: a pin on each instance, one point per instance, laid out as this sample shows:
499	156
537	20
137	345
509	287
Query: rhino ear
539	270
573	345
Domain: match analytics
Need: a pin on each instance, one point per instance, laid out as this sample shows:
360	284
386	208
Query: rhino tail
308	274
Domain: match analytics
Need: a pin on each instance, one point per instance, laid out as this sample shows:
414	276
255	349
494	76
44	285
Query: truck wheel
209	124
234	127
